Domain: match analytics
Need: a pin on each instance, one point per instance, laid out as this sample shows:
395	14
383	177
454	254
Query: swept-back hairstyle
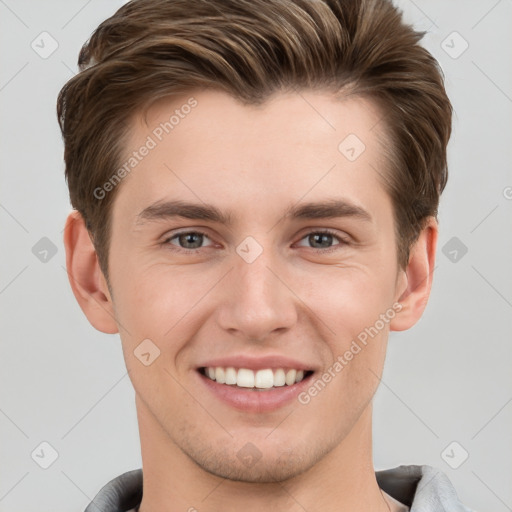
251	49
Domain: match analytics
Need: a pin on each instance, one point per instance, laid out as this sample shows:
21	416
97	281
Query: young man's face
266	291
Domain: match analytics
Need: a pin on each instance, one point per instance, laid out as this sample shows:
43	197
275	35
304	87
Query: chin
250	465
265	470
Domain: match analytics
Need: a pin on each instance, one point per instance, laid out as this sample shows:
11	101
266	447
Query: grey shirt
421	488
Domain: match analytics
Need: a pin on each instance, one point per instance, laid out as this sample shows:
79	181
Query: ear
416	280
85	276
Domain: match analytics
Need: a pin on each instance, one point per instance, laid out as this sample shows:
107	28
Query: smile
257	391
258	380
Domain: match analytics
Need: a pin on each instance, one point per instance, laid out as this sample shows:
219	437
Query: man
255	186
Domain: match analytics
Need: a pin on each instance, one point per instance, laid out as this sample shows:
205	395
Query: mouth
245	379
260	391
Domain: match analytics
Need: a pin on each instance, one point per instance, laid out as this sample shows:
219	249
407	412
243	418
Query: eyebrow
329	209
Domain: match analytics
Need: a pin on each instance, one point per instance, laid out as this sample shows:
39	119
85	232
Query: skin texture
292	300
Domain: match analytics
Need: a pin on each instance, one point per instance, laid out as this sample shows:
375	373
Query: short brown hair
250	49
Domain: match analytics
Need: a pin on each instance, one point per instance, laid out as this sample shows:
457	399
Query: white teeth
264	379
220	375
245	378
279	378
290	377
230	375
261	379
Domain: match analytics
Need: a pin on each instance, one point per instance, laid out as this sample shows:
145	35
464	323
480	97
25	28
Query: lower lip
252	400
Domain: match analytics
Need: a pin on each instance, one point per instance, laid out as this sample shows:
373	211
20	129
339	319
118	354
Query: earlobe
85	276
418	278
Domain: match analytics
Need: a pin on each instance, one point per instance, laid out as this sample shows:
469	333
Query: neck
343	480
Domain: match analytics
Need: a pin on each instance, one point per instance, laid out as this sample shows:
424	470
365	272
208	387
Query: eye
321	240
187	240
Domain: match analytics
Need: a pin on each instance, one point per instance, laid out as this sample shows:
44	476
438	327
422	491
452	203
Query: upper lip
254	363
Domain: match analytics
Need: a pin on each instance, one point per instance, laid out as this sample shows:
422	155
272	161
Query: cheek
352	299
356	307
154	301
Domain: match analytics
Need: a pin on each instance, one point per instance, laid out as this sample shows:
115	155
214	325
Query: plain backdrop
446	393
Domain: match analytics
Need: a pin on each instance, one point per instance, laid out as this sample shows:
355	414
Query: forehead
206	146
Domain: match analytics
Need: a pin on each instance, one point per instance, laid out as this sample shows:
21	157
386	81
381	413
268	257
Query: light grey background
447	379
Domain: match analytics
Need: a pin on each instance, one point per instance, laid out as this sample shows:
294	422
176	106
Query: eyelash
342	241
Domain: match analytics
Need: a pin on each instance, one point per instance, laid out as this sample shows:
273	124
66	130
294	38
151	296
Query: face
298	263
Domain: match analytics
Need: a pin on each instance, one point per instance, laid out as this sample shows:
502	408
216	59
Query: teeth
220	375
264	379
261	379
279	377
290	377
230	376
245	378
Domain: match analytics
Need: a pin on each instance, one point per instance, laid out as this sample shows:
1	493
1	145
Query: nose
257	300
